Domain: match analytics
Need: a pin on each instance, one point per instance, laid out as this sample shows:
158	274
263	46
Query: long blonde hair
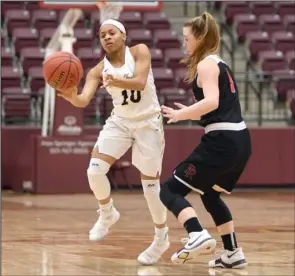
206	30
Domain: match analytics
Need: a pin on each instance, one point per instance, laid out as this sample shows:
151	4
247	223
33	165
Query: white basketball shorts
146	137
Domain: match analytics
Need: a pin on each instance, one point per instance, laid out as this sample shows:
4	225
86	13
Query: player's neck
117	59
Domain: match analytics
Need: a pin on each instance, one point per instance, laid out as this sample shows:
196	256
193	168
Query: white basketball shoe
107	218
196	244
230	259
154	252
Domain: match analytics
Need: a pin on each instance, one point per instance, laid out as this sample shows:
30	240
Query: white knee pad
151	189
97	178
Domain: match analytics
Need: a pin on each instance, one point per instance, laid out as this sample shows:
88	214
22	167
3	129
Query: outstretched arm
93	79
208	73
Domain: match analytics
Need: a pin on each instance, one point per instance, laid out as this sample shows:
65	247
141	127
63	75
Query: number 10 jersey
132	104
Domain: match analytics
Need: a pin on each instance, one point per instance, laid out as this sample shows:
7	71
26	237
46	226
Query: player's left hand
107	80
171	114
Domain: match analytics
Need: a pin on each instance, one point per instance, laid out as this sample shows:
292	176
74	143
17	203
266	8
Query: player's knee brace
216	207
97	178
174	202
156	207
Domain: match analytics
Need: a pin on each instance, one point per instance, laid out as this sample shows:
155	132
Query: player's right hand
69	94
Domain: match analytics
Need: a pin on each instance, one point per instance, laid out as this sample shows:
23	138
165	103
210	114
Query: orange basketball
62	70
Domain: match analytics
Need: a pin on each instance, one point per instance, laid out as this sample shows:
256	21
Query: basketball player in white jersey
135	122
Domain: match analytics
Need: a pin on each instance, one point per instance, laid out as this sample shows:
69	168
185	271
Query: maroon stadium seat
10	5
84	38
271	23
173	58
290	57
32	5
44	19
16	107
245	23
156	20
140	36
289	21
10	77
257	42
131	20
45	36
6	57
24	37
271	61
14	90
232	9
36	79
89	57
285	7
157	58
163	78
173	95
3	40
284	81
283	41
17	19
259	8
31	57
164	39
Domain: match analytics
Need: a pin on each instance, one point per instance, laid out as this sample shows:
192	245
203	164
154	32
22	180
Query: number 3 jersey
132	104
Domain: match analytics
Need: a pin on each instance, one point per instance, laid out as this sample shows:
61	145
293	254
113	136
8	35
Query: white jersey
132	104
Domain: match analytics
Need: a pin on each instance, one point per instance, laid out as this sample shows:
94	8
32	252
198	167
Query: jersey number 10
135	96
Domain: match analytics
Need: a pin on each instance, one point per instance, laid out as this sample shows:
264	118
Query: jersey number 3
135	96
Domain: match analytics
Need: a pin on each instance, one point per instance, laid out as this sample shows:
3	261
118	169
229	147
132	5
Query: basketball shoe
154	252
196	244
107	218
230	259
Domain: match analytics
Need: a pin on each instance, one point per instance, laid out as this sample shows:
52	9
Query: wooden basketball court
48	235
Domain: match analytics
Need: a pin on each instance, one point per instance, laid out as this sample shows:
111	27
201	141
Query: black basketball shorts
219	160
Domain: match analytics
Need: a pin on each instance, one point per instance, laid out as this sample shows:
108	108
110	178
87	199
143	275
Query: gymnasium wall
272	161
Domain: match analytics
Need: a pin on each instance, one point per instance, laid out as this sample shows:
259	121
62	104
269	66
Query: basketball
62	70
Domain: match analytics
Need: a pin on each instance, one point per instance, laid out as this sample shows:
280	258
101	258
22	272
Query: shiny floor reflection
48	235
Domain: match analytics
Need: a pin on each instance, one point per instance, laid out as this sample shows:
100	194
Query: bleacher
25	31
266	30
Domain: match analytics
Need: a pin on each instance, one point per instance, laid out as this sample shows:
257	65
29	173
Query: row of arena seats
41	19
267	30
231	9
33	57
19	106
34	80
29	37
26	29
29	14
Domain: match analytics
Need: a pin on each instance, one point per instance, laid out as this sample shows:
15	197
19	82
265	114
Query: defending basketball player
135	122
216	164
